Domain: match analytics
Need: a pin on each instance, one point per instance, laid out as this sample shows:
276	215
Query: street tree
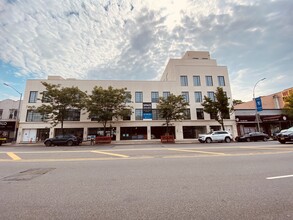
237	102
104	105
288	107
59	101
172	108
219	107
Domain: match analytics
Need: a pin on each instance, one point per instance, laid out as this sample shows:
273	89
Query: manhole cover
28	174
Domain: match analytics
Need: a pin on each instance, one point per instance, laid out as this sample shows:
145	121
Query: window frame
196	80
184	80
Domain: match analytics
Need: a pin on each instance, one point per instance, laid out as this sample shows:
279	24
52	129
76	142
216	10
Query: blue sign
258	104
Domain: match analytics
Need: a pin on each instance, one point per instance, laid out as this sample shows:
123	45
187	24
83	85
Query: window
187	114
46	98
12	113
185	96
128	100
211	95
72	115
156	114
199	113
155	97
138	114
183	81
196	81
33	97
34	116
127	117
198	96
221	80
166	95
138	97
1	113
209	80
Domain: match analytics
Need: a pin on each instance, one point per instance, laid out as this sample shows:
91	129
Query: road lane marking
279	177
13	156
197	151
111	154
267	148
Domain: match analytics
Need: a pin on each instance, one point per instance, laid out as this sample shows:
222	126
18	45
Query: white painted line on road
196	151
111	154
279	177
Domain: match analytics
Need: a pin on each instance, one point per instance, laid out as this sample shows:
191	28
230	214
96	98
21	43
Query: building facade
8	118
271	118
194	76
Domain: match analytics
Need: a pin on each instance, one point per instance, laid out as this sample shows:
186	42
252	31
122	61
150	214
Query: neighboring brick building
271	119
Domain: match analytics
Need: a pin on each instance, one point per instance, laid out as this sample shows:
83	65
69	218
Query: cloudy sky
133	40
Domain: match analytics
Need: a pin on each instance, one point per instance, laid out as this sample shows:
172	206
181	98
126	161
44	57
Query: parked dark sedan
253	136
286	136
67	139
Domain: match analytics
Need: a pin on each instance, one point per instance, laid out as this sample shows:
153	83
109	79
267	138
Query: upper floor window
155	97
185	96
187	115
156	114
1	113
45	97
221	80
166	95
12	113
183	81
34	116
138	114
198	96
33	97
209	80
72	115
128	100
211	95
199	113
196	81
127	117
138	97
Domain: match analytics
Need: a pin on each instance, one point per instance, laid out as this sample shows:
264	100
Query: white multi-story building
194	76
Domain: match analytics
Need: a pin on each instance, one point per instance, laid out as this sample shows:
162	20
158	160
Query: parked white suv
216	136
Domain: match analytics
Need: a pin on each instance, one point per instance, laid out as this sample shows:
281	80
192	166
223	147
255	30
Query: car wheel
227	140
208	140
248	139
48	143
265	139
69	143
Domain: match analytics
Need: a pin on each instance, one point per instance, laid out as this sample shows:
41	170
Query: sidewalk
115	143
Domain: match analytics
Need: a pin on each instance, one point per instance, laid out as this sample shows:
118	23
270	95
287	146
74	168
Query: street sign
258	104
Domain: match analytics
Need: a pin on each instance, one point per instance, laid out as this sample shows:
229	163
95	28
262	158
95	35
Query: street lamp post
256	114
18	110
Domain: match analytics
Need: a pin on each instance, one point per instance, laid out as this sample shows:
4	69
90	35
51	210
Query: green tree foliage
288	108
237	102
104	105
58	101
219	109
172	108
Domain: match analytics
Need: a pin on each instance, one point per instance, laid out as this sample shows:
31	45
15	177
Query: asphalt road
186	181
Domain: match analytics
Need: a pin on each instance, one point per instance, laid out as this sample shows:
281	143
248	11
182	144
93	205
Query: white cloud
133	39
